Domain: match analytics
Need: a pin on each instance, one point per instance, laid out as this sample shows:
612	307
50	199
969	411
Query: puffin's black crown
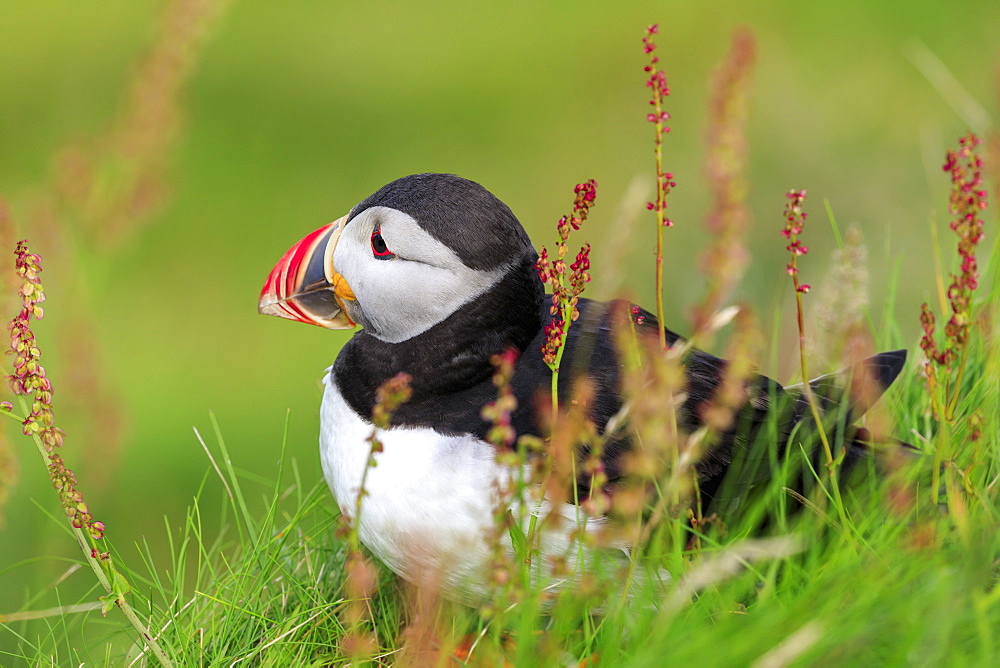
459	213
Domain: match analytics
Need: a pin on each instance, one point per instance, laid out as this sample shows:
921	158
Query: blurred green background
295	111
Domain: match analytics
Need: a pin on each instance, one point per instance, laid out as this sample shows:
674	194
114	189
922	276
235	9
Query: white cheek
407	298
401	298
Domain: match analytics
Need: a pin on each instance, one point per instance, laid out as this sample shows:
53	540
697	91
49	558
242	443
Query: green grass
910	583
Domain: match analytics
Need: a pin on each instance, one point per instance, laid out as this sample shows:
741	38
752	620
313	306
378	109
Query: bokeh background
159	207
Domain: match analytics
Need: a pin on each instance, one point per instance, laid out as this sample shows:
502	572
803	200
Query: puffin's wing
777	417
863	383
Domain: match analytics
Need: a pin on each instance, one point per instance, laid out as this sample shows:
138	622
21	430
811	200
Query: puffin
440	277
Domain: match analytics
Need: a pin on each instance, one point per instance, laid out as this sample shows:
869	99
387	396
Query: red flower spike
968	198
29	378
795	219
565	294
498	413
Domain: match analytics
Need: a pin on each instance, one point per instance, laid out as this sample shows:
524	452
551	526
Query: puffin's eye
379	249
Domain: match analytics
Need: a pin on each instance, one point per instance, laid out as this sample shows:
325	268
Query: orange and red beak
305	286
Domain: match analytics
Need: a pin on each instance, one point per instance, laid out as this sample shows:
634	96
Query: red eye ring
379	249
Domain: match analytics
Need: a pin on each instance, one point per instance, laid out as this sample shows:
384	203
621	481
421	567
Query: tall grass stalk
947	361
657	83
795	219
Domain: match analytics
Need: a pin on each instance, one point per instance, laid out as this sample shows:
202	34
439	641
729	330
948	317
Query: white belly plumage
429	502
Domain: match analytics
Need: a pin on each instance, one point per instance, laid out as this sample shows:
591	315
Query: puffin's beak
304	285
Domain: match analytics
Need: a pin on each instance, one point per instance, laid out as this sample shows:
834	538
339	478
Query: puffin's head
401	261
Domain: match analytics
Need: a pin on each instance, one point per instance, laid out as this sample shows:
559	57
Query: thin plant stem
660	315
952	402
831	464
807	388
565	314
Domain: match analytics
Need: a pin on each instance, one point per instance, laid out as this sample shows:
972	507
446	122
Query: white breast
429	502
